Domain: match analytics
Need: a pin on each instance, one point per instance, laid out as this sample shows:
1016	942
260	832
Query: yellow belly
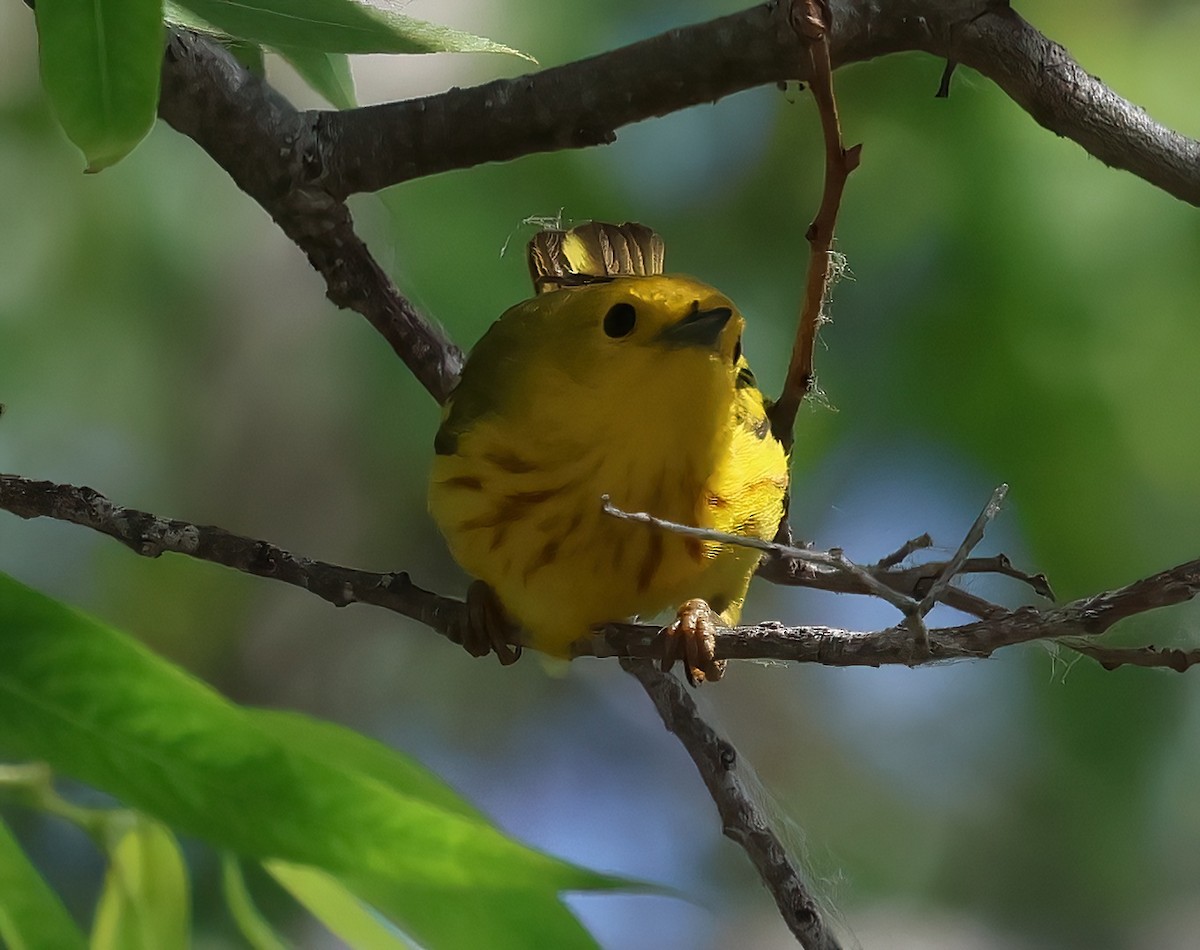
530	524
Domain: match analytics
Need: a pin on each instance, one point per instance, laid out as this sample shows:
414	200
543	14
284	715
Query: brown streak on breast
544	557
526	498
510	508
509	462
463	481
650	563
503	513
779	482
618	550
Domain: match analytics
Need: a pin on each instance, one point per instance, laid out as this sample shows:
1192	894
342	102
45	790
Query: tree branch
1073	625
268	149
1042	78
742	820
839	163
150	536
583	103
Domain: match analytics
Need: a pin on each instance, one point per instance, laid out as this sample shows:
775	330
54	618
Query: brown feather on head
593	252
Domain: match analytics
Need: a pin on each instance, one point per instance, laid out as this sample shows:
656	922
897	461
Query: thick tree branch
1042	78
150	536
577	105
742	819
268	149
583	103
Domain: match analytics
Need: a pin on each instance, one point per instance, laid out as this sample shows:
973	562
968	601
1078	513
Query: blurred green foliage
1015	312
339	820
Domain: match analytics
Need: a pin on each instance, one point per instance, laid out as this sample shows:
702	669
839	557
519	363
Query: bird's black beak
699	328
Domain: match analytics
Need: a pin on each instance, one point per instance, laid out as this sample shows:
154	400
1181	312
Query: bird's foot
486	627
691	637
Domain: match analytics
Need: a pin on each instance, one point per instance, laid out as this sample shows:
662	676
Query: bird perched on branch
614	380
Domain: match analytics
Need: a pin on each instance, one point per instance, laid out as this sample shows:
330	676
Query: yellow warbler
614	380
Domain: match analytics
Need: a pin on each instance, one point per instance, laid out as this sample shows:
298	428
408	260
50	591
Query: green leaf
512	921
100	65
508	919
247	53
250	921
347	917
351	751
31	915
99	706
175	15
337	26
327	73
144	902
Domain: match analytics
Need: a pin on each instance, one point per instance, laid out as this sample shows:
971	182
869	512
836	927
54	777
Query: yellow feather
561	403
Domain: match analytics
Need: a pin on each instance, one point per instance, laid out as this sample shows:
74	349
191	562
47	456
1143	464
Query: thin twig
909	547
812	23
865	579
833	571
742	819
834	559
913	580
954	565
1112	658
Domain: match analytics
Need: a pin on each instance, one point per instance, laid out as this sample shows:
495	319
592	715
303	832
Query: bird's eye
737	351
619	320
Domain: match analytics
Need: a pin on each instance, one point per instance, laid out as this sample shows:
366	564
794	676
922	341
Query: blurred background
1014	311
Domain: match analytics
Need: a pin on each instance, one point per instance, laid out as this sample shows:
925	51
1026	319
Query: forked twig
909	547
834	559
872	580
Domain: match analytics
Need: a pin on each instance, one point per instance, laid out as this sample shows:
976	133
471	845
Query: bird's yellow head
658	315
647	361
643	344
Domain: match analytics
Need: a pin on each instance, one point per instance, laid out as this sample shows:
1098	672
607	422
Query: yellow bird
614	380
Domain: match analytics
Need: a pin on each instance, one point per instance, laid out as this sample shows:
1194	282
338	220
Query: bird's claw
691	637
487	627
